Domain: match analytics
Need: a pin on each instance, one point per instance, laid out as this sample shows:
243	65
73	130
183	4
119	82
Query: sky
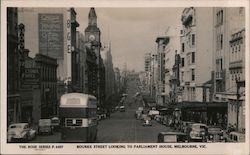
131	31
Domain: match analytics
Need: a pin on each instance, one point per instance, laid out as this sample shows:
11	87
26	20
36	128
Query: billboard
51	35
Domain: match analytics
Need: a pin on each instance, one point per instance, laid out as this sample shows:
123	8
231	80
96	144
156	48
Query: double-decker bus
78	117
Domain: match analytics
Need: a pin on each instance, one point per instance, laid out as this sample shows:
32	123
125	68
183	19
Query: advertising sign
30	77
51	35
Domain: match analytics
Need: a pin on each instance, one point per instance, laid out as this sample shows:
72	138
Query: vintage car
172	137
197	132
215	134
147	122
20	132
55	122
122	108
236	137
45	126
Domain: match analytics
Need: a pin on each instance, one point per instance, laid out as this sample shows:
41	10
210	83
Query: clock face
91	37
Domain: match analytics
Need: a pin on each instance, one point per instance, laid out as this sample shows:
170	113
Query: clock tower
92	32
92	38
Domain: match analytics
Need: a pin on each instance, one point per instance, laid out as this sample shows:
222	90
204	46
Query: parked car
140	108
152	113
45	126
185	125
147	122
122	108
20	132
236	137
197	132
55	122
101	113
117	108
158	118
138	114
215	134
172	137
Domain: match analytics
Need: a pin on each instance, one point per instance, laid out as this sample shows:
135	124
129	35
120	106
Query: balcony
236	64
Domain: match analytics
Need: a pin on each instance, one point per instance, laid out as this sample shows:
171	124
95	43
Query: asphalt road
121	127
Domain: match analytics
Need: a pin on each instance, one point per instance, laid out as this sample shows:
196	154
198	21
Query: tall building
228	62
81	50
13	71
118	83
160	89
147	60
93	37
196	52
47	32
147	65
109	71
172	47
47	84
153	75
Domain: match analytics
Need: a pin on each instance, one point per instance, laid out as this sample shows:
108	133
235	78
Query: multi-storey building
160	89
228	62
51	32
175	80
236	106
171	49
47	67
93	37
147	65
81	50
90	71
153	75
109	72
196	52
118	83
13	72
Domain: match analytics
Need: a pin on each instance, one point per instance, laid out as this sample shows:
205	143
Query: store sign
30	78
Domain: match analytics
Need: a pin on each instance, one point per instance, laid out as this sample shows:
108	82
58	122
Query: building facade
13	69
47	67
109	72
161	62
51	32
93	38
228	63
196	52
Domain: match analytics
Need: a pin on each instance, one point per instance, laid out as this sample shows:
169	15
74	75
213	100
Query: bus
78	117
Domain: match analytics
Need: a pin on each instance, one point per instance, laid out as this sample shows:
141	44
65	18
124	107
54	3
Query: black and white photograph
153	77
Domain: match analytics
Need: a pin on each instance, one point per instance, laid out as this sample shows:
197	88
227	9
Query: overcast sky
132	31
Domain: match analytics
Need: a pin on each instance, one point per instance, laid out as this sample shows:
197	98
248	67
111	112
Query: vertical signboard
51	35
68	30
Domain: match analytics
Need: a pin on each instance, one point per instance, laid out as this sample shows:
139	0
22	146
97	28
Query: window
221	64
221	41
221	19
219	16
182	62
193	75
193	57
193	39
183	47
182	76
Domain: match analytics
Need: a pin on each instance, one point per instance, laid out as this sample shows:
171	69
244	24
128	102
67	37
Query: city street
121	127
